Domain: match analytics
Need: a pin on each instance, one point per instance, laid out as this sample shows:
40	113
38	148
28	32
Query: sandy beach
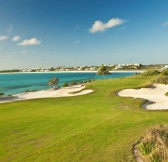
50	93
155	96
113	71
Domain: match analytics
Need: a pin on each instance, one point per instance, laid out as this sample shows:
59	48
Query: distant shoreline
114	71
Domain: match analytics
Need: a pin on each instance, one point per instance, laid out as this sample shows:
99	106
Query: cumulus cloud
16	38
99	26
29	42
3	37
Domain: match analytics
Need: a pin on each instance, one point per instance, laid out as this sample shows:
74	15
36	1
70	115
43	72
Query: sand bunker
62	92
155	95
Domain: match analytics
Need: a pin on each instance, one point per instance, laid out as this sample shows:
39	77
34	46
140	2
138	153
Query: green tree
1	94
54	82
103	70
52	69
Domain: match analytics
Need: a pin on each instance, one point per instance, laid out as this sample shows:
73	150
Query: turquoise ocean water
20	82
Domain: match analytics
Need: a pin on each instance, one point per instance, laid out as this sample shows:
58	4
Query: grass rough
152	147
161	80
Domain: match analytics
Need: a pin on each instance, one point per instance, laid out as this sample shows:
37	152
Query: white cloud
165	23
99	26
16	38
3	37
29	42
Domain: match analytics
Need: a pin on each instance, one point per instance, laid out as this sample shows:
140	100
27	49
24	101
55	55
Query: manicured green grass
97	127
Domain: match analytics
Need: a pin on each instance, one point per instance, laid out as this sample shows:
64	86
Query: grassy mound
150	72
153	147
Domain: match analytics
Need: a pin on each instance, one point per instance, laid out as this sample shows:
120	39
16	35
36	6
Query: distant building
118	67
137	64
164	68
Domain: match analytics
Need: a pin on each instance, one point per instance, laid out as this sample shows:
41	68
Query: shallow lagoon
20	82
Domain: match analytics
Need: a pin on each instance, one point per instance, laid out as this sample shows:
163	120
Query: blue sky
45	33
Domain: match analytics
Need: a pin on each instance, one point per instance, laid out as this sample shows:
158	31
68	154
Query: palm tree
103	70
53	81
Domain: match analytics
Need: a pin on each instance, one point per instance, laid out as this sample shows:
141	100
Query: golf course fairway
97	127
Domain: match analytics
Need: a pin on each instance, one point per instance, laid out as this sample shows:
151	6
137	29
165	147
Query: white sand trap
62	92
155	95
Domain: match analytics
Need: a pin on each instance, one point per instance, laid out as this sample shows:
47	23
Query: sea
14	83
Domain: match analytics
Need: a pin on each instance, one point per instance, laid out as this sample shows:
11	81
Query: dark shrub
73	83
1	94
89	81
65	84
